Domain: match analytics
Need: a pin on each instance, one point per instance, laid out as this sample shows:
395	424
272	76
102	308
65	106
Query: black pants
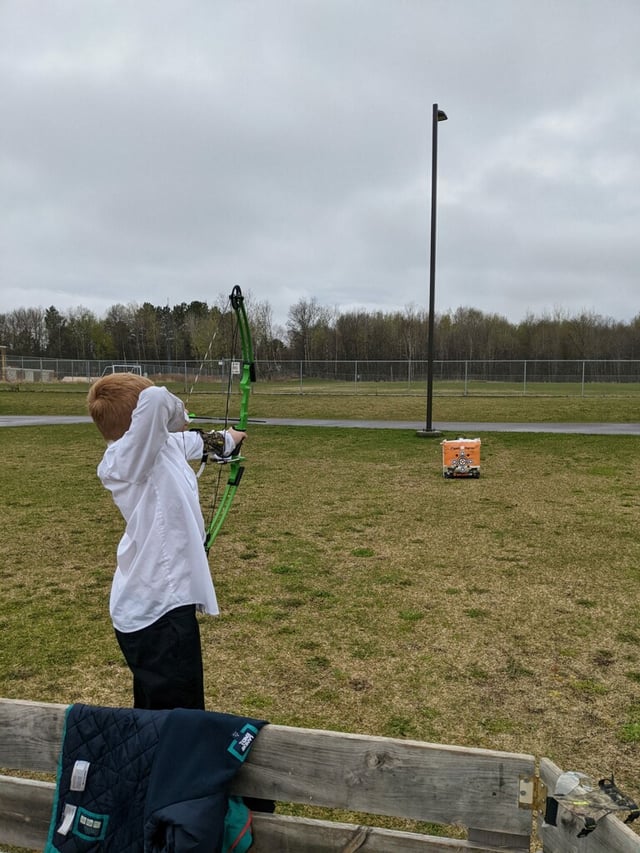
166	661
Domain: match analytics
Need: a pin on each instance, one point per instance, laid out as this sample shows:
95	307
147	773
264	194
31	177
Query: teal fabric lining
50	847
237	827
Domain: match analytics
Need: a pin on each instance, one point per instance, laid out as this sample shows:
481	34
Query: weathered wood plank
30	734
409	779
293	834
25	811
503	840
446	785
609	836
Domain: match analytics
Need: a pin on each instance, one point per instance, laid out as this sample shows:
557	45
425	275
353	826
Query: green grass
553	403
359	590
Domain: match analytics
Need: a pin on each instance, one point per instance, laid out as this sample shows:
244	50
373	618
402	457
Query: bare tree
305	319
25	331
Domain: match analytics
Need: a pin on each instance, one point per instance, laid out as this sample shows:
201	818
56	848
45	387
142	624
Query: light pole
438	115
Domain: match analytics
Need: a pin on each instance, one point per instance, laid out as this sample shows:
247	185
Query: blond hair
111	401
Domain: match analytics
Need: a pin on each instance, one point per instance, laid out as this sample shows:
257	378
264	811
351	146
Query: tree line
313	332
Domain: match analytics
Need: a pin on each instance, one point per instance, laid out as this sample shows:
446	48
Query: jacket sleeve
190	443
158	414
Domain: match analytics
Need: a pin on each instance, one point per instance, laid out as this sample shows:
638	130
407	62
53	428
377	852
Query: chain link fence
464	377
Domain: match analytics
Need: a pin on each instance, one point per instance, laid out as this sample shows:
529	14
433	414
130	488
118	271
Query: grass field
359	590
619	404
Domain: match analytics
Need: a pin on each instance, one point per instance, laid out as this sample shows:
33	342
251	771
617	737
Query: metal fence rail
516	376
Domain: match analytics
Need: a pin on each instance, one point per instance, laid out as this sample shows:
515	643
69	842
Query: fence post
466	377
582	378
524	380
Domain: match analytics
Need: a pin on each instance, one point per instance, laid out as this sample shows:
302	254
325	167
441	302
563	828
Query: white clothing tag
68	815
79	776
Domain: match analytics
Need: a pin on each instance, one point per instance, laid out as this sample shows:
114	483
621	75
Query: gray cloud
164	152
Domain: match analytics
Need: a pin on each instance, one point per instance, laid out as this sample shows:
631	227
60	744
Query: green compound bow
247	376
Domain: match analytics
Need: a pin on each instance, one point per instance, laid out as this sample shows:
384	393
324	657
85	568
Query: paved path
41	420
469	430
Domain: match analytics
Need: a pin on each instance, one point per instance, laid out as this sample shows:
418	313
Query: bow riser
247	378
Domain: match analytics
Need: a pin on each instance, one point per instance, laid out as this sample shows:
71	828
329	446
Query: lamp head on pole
442	116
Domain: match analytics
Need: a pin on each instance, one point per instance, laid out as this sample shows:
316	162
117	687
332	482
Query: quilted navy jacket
137	781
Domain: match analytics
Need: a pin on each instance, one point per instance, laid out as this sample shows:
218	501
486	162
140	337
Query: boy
162	575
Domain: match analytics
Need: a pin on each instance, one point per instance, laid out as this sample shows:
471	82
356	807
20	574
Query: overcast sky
166	150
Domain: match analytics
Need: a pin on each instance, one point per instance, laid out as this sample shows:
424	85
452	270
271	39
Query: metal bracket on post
532	793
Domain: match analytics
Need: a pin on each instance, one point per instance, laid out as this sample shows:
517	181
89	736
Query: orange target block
461	458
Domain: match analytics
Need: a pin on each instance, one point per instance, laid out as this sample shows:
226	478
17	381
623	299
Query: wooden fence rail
490	795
